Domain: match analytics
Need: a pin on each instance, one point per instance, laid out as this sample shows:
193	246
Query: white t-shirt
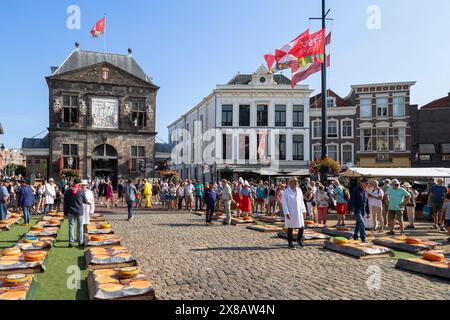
189	190
373	202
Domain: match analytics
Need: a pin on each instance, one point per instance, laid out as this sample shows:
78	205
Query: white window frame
337	150
337	128
387	136
318	145
333	99
353	152
404	106
313	129
361	108
382	106
362	136
404	137
352	126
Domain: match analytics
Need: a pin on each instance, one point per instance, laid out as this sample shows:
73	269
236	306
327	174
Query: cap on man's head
395	182
76	181
84	183
364	180
51	180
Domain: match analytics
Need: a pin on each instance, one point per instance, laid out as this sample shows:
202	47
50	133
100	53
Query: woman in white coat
294	210
88	209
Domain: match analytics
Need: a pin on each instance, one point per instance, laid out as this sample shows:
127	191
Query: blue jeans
198	199
360	226
130	209
79	222
26	215
47	208
3	211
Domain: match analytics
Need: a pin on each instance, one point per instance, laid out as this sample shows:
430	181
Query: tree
21	171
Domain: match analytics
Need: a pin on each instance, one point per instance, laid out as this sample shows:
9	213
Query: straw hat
406	185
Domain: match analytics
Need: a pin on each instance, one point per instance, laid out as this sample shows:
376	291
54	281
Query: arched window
105	151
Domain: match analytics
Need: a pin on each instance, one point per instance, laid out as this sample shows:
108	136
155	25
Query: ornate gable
104	73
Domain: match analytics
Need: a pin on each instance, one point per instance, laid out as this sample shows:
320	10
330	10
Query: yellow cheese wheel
118	248
7	262
101	256
124	255
140	284
11	252
106	279
110	287
413	241
97	238
14	295
37	228
34	256
309	223
105	226
104	272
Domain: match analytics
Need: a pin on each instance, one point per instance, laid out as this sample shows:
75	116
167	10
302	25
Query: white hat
84	183
51	180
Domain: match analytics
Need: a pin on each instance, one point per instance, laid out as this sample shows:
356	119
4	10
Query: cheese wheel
37	228
106	279
11	252
14	295
124	255
309	223
413	241
7	262
118	248
433	256
101	256
97	238
104	272
34	256
340	240
105	226
140	284
110	287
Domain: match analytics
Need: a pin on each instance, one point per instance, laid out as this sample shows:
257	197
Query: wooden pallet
92	290
403	246
355	251
308	235
269	219
37	269
337	233
265	229
418	265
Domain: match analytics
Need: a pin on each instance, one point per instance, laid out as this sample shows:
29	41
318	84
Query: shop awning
398	172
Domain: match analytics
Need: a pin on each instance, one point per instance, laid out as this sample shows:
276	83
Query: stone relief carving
57	104
83	106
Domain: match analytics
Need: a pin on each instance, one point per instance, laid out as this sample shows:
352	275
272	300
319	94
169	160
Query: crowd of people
376	205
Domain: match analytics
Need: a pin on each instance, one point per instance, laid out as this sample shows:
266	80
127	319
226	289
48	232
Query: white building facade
256	125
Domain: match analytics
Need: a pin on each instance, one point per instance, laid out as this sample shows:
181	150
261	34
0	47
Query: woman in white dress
294	210
88	209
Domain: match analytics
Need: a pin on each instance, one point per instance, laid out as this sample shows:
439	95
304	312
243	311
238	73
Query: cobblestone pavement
188	260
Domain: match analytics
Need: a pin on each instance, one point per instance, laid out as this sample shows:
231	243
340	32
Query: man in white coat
50	195
88	209
294	210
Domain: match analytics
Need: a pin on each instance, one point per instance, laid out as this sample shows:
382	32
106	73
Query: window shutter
130	165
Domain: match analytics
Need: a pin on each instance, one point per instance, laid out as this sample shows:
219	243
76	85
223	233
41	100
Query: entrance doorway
105	163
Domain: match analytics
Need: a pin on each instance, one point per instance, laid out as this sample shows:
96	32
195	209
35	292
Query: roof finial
130	52
77	45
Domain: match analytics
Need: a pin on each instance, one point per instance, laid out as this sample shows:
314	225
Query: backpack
346	194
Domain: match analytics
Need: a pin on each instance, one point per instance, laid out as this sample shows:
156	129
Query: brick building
383	124
102	116
340	128
431	134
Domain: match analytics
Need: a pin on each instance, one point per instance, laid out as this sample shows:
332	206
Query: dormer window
331	102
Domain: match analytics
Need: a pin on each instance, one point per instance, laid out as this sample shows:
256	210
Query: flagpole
324	177
104	37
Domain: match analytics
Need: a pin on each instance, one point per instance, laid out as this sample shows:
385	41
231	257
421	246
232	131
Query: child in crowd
138	199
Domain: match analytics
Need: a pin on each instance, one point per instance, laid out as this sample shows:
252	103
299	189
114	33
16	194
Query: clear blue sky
189	46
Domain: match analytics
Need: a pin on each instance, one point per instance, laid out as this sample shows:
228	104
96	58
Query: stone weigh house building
102	116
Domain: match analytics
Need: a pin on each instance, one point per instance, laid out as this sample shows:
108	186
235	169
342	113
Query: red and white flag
262	146
300	73
99	28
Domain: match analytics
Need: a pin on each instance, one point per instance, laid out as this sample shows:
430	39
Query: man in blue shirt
4	198
358	206
26	200
129	192
210	198
436	198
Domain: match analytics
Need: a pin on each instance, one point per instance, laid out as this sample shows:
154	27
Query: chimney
130	52
77	46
